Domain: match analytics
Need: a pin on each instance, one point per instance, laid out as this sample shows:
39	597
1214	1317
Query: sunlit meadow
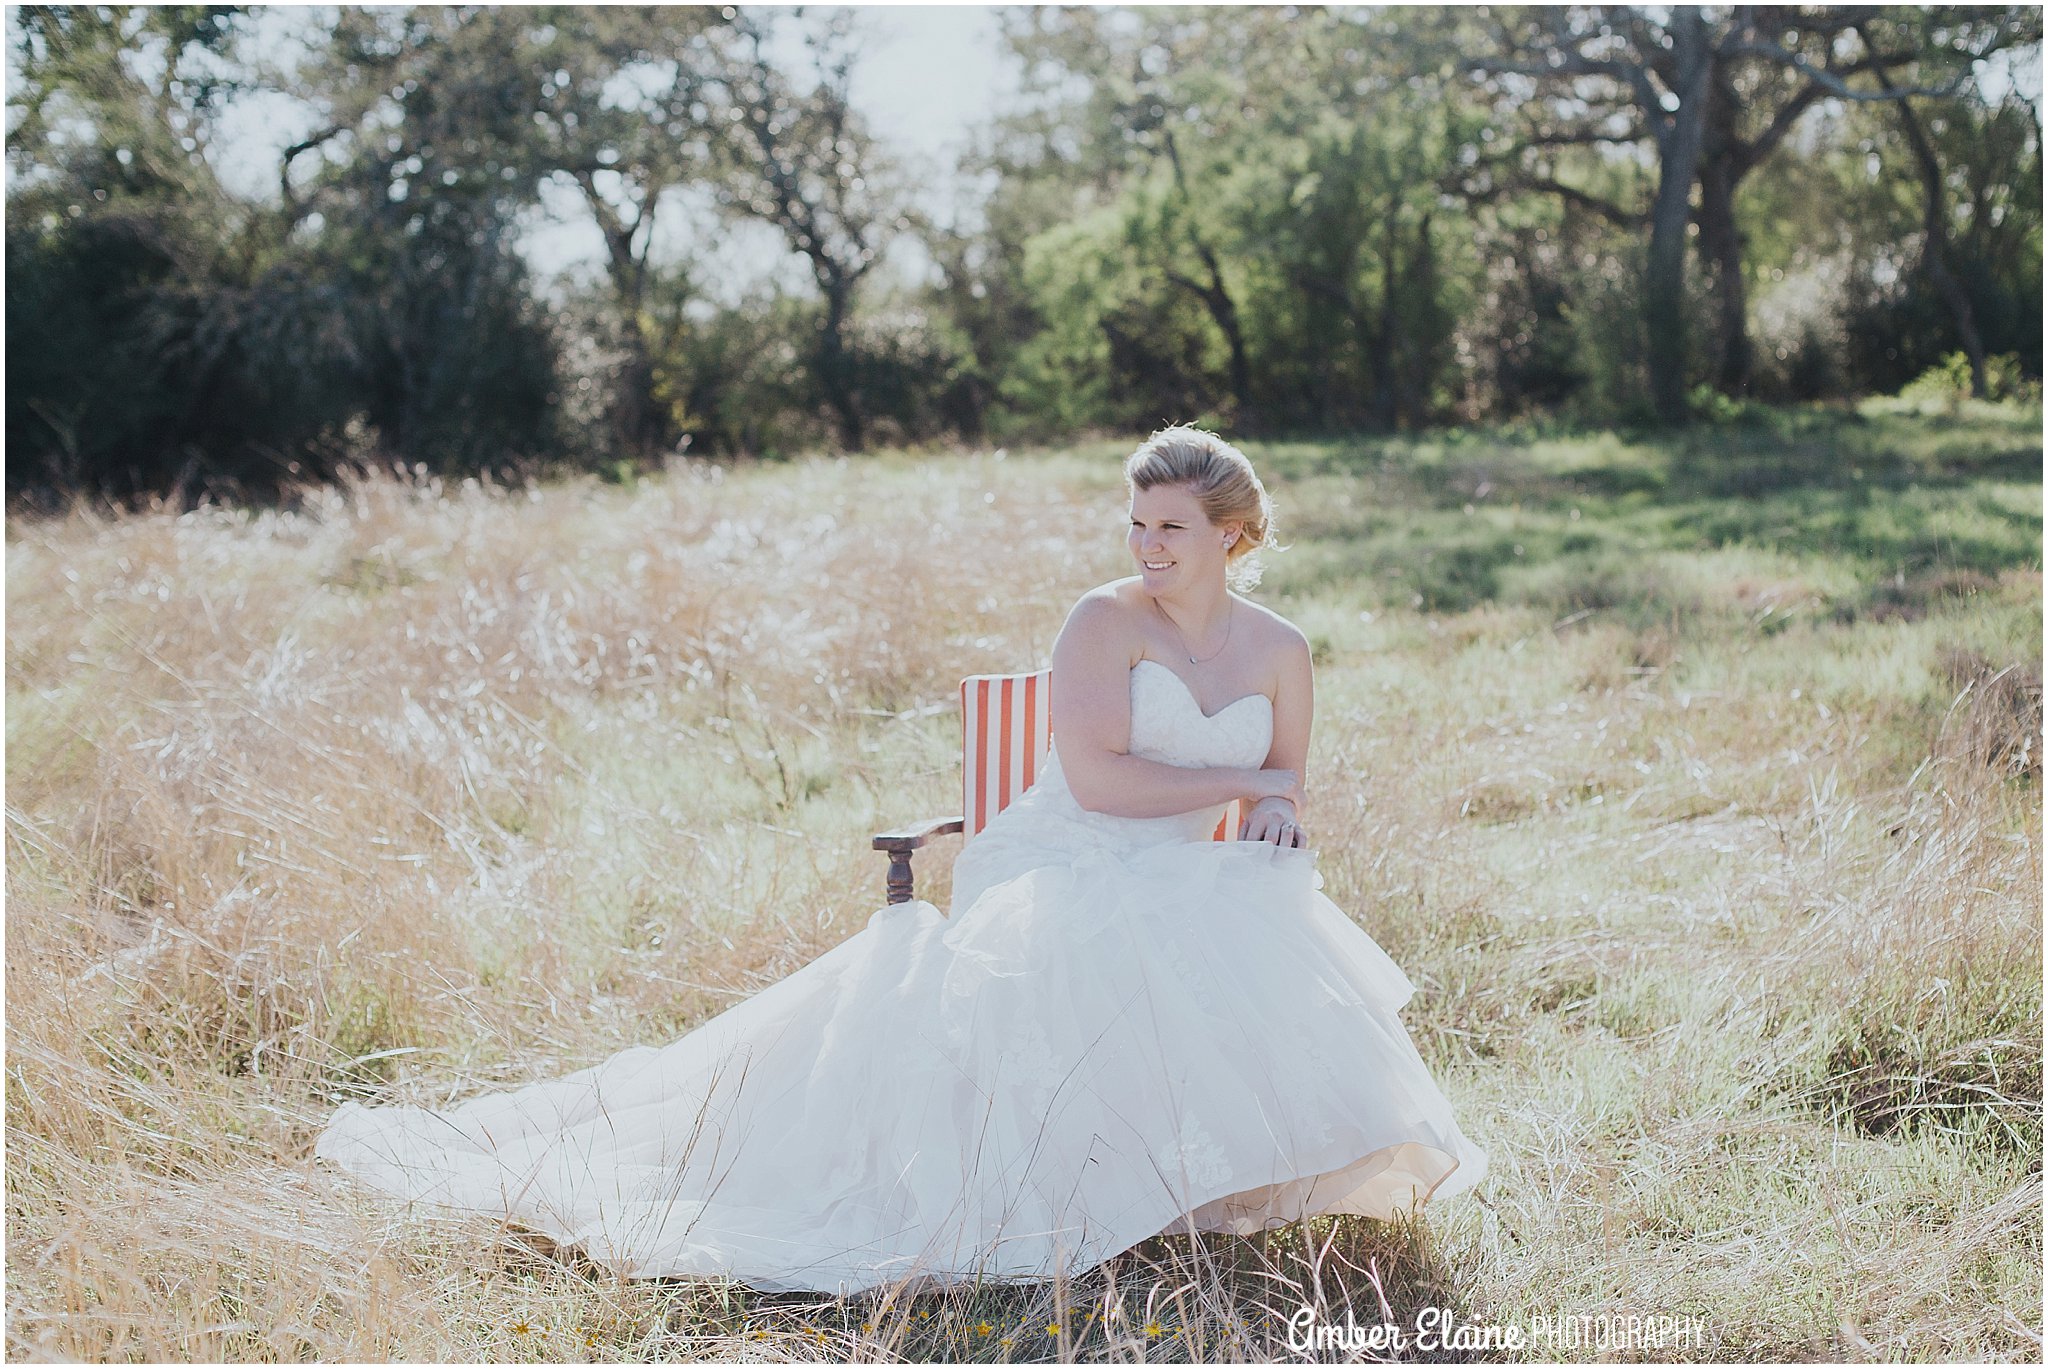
1695	781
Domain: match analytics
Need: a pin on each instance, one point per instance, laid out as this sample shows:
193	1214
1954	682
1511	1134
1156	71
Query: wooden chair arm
900	844
917	834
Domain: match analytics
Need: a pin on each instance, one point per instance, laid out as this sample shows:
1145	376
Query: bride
1122	1029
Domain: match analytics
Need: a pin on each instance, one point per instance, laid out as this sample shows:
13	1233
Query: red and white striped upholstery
1006	730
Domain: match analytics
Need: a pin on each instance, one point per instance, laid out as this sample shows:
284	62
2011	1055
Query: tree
625	152
414	221
145	285
1146	85
1270	180
1700	87
491	103
1935	251
801	160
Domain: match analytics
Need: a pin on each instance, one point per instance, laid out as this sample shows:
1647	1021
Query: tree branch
1570	137
1748	155
1834	84
290	154
1629	19
1571	62
1510	182
1606	209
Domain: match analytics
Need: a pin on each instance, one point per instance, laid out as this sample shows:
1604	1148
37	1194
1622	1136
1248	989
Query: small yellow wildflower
1052	1328
1153	1328
984	1328
520	1328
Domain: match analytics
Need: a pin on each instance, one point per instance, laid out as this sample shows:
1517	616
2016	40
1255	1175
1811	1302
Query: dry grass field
1696	782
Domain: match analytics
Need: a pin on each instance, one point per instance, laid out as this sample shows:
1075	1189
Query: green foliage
1120	346
1893	324
194	341
748	390
1710	404
1948	382
1324	221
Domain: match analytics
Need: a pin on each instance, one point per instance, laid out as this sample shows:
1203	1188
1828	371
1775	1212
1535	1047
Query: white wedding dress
1123	1029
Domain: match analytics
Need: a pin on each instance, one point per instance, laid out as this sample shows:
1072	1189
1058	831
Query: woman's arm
1294	707
1091	727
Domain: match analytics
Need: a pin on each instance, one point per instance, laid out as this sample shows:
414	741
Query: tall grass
1696	784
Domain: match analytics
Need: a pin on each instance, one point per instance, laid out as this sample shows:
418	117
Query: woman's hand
1276	820
1279	785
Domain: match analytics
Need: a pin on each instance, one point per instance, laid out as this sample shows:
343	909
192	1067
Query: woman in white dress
1122	1029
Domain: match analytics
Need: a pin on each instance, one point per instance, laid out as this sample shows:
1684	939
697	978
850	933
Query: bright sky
927	74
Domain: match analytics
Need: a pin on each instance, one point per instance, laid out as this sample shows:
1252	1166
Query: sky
927	75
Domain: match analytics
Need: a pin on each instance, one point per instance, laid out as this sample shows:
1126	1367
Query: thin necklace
1229	622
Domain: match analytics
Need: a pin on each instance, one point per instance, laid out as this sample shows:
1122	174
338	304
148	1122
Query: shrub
1948	382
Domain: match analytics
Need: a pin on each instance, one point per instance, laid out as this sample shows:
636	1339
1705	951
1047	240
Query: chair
1005	732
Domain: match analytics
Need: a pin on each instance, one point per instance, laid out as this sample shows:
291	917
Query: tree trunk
835	367
1213	293
1934	252
1386	401
638	417
1720	244
1224	310
1223	313
641	425
1427	334
1678	162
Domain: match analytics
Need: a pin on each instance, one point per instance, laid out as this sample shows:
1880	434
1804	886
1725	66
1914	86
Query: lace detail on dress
1176	731
1190	980
1202	1163
1027	1064
1307	1078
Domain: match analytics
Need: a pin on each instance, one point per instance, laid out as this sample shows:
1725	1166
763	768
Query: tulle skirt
1085	1055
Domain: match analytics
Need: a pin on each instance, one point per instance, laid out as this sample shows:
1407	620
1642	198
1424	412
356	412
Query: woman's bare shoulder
1102	616
1274	632
1113	599
1276	636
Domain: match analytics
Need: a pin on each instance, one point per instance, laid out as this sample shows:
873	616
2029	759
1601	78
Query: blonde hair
1222	480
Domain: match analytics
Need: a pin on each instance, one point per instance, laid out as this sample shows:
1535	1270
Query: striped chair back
1006	730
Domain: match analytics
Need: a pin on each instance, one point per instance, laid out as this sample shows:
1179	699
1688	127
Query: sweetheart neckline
1188	689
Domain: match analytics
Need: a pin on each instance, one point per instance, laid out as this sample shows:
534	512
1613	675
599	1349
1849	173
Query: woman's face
1173	541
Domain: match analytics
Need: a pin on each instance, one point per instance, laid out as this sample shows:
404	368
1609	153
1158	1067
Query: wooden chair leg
900	880
901	844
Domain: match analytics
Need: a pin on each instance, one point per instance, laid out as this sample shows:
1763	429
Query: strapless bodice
1168	726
